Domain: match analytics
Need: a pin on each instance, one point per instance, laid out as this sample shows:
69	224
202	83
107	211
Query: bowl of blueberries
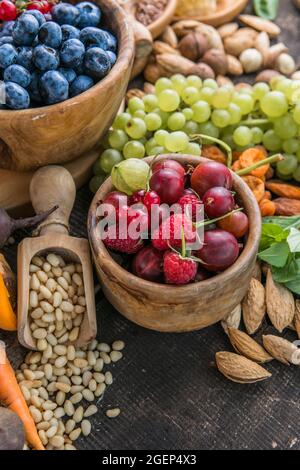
64	69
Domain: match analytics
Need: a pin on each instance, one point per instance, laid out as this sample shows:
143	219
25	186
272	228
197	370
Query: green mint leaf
288	272
294	240
271	233
284	222
277	255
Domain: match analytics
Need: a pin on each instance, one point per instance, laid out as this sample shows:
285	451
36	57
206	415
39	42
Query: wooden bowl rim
250	248
219	13
167	15
124	57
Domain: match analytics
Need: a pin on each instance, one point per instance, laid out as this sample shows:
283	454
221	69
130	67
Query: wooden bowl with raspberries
193	287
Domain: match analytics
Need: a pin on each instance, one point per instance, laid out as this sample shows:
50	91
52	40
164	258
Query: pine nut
116	356
42	276
86	427
118	345
71	353
53	260
57	271
103	347
108	378
47	415
51	432
99	365
28	374
76	398
76	389
70	425
33	299
66	306
70	268
92	385
75	434
77	279
36	414
113	413
63	387
57	441
64	338
46	306
63	293
88	395
99	377
63	283
60	398
81	363
70	447
37	261
69	408
59	413
45	292
51	285
78	415
43	437
91	358
90	411
41	344
44	425
46	267
37	313
60	350
33	268
34	282
61	361
105	357
82	301
86	377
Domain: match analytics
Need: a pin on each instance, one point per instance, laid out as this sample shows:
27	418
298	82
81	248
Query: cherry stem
216	141
212	221
274	158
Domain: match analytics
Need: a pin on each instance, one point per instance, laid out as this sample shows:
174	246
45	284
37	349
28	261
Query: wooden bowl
226	11
62	132
169	308
158	26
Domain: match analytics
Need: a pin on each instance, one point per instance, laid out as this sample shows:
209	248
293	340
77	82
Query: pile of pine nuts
56	301
54	388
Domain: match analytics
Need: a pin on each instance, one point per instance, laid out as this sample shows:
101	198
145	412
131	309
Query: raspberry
178	270
195	205
112	241
169	232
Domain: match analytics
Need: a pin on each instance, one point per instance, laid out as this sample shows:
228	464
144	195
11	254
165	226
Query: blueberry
53	87
24	57
80	84
69	74
45	58
17	74
16	96
90	14
7	28
37	14
112	57
64	13
72	52
79	69
8	55
25	30
96	62
94	37
111	41
6	40
50	34
69	32
33	88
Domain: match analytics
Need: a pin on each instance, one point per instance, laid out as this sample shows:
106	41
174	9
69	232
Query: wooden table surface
170	394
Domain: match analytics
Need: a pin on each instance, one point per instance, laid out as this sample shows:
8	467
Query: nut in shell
203	71
217	60
213	37
260	24
184	27
280	304
240	369
233	320
237	43
169	37
285	64
234	65
282	350
248	347
251	60
254	306
160	47
266	75
193	46
228	29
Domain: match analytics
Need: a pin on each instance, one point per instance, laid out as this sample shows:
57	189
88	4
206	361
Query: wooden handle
142	36
53	185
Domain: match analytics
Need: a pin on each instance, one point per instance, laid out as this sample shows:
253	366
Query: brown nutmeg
193	46
217	60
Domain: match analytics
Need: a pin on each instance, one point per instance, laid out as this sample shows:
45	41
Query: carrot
8	295
12	397
251	156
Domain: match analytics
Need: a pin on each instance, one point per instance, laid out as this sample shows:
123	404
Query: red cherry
168	184
147	264
151	199
137	197
8	11
218	202
209	175
219	251
139	217
169	164
202	275
236	223
116	199
43	6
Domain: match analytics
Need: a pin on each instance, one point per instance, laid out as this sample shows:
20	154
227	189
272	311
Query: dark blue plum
69	32
69	74
6	40
50	34
72	53
7	28
33	88
80	84
64	13
112	57
94	37
25	30
8	55
90	14
37	14
96	62
17	74
45	58
53	86
16	96
111	41
24	57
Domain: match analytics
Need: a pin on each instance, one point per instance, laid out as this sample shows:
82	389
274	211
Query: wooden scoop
54	185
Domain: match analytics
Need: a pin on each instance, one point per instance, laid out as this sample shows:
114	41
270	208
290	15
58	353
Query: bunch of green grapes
182	107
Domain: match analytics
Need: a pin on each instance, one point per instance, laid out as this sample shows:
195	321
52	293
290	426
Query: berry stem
212	221
216	141
183	244
273	159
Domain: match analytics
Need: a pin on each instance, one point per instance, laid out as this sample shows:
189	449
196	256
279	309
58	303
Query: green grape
296	174
206	94
108	159
228	139
97	170
134	149
188	113
179	82
168	100
291	145
191	127
274	104
136	128
121	121
247	90
176	121
293	93
104	142
235	113
163	84
176	141
242	136
220	118
150	103
150	145
160	137
221	98
283	177
190	95
164	117
285	127
275	80
298	155
209	129
296	114
153	121
158	150
192	149
139	114
117	139
257	135
287	166
283	85
259	90
271	141
194	81
96	182
210	83
135	104
202	111
244	102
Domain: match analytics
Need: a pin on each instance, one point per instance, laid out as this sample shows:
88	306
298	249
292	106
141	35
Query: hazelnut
217	60
203	71
266	75
193	46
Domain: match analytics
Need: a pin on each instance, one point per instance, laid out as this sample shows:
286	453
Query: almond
227	29
280	303
233	320
262	43
282	350
160	47
254	306
181	28
297	317
241	40
169	37
273	53
240	369
153	72
266	75
248	347
257	271
234	65
260	24
175	64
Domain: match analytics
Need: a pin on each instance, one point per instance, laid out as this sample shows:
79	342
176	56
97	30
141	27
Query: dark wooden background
167	387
